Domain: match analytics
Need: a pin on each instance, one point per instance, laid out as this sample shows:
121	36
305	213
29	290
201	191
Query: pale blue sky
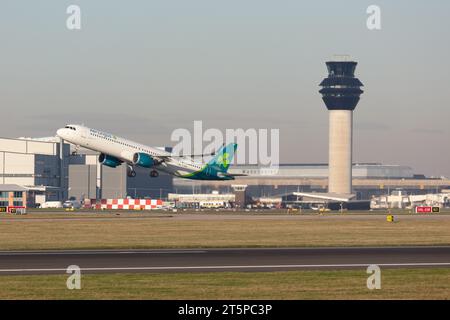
143	68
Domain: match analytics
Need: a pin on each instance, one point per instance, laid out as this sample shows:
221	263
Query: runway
208	260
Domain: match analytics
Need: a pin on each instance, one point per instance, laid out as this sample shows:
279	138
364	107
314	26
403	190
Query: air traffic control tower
340	92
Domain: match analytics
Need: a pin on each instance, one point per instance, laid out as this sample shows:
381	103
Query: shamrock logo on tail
224	160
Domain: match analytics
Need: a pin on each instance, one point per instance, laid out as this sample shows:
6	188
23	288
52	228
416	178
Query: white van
51	204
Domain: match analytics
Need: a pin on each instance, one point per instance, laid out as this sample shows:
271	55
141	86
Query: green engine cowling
109	161
143	160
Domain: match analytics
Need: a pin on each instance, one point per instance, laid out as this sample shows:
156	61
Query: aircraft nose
60	133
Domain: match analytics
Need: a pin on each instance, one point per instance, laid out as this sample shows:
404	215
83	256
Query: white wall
17	163
12	145
28	146
91	159
2	154
41	147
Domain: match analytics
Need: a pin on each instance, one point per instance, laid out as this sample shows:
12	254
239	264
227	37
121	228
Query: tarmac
209	260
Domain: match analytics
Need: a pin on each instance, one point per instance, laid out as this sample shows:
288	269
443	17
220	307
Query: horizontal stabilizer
236	175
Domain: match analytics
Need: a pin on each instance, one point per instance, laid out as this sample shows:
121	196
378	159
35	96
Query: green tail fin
223	158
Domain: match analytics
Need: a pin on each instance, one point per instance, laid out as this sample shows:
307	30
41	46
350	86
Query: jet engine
109	161
143	160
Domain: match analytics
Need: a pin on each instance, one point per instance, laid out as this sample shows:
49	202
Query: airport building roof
326	196
11	187
320	170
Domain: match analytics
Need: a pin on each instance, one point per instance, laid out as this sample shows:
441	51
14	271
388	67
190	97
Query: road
207	260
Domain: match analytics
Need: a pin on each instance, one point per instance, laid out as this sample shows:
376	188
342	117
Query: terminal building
12	196
212	200
368	179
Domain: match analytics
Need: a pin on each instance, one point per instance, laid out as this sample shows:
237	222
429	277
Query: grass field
169	230
35	232
349	284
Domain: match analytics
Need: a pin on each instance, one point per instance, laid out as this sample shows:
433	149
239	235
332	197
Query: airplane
115	150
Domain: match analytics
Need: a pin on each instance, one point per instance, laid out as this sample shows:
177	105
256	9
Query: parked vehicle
72	204
51	204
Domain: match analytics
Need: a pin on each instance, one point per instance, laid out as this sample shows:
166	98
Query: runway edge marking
419	264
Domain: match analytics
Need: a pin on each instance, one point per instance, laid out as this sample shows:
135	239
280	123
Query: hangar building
51	171
40	165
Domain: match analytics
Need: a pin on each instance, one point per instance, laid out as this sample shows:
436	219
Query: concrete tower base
340	151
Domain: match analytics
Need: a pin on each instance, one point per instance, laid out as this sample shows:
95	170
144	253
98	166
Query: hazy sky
141	69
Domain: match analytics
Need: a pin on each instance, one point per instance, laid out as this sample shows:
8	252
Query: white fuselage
124	149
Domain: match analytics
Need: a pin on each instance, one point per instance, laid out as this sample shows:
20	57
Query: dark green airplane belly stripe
202	174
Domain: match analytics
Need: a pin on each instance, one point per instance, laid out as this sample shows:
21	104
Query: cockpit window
71	128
